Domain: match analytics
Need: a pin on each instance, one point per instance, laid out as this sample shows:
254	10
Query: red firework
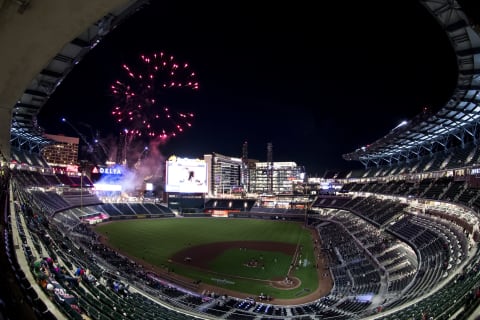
142	99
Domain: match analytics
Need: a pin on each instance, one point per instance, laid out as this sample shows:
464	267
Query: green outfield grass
156	241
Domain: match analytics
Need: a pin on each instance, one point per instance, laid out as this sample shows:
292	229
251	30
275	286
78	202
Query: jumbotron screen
186	176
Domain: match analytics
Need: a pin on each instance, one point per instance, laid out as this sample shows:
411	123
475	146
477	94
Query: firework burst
142	98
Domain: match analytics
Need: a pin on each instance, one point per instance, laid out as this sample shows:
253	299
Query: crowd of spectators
355	249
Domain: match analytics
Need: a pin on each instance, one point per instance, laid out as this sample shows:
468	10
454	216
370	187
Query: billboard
185	175
108	178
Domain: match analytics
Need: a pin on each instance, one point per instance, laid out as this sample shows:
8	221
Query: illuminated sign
111	170
72	168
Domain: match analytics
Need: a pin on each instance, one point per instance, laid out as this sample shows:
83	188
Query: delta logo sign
108	171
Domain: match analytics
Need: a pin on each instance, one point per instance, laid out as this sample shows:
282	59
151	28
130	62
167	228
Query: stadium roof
456	122
25	133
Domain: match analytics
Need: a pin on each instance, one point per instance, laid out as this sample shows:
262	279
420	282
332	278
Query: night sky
315	80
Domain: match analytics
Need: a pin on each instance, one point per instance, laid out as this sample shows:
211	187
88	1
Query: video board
185	175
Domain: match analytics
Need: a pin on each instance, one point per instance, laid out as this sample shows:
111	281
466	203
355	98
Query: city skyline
316	88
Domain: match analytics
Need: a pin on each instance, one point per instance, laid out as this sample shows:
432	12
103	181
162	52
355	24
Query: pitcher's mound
286	283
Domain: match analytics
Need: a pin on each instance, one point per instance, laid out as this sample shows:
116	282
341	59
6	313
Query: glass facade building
275	177
63	152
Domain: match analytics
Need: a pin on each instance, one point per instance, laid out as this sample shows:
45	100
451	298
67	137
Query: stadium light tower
244	175
125	147
81	135
139	160
270	168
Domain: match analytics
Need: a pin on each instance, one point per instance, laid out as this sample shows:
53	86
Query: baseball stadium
224	237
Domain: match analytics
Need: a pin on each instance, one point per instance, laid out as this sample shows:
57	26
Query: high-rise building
63	152
225	174
275	177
